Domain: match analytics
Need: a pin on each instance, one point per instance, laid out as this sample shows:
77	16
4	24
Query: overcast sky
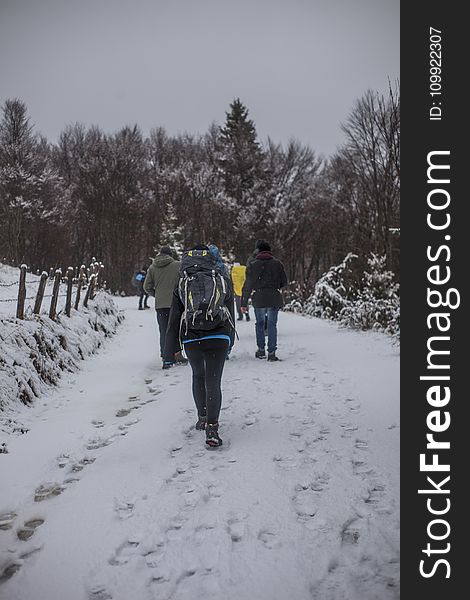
298	65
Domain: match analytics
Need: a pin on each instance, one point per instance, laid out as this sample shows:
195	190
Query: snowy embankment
112	495
35	352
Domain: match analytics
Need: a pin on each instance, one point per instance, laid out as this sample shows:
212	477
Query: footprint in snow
7	571
352	404
268	536
154	390
334	415
28	529
180	475
153	556
376	494
350	534
284	462
48	490
249	420
305	504
129	424
123	412
96	443
236	527
15	563
97	423
348	429
361	444
81	464
63	460
176	448
300	445
361	468
124	552
124	508
320	482
99	592
7	519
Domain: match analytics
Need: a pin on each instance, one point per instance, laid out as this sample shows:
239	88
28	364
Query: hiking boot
212	435
201	423
239	318
272	357
180	360
260	353
167	365
247	317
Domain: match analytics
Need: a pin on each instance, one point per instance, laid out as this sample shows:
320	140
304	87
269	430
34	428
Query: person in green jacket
160	282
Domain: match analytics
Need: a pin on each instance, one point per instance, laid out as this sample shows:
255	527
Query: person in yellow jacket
238	275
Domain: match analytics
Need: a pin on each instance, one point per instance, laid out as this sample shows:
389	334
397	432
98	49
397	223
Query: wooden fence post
21	293
81	279
40	293
93	285
90	289
55	294
101	275
68	301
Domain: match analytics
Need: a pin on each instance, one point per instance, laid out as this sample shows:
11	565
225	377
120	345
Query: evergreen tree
242	156
241	162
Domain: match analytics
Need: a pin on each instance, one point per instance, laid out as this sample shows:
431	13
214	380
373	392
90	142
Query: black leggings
207	360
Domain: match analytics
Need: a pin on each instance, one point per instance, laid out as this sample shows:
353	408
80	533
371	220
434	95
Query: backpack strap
184	280
214	288
223	283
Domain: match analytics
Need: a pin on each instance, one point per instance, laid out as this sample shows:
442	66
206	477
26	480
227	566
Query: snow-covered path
119	499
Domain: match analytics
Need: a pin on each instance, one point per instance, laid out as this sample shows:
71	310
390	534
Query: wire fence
75	280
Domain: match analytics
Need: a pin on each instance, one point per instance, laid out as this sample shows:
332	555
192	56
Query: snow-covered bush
369	303
377	305
333	291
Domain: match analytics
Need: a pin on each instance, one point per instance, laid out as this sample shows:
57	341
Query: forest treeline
120	196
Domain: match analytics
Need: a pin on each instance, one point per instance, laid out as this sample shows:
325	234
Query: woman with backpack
202	322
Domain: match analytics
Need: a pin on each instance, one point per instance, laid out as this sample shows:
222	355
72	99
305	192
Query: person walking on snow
138	282
219	263
238	275
160	282
265	276
202	321
254	254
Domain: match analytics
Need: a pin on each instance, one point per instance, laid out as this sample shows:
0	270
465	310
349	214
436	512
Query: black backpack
202	290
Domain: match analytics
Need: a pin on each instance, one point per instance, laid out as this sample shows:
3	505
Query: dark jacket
251	259
162	277
266	276
176	332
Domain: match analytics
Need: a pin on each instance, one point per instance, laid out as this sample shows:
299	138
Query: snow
301	501
35	351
